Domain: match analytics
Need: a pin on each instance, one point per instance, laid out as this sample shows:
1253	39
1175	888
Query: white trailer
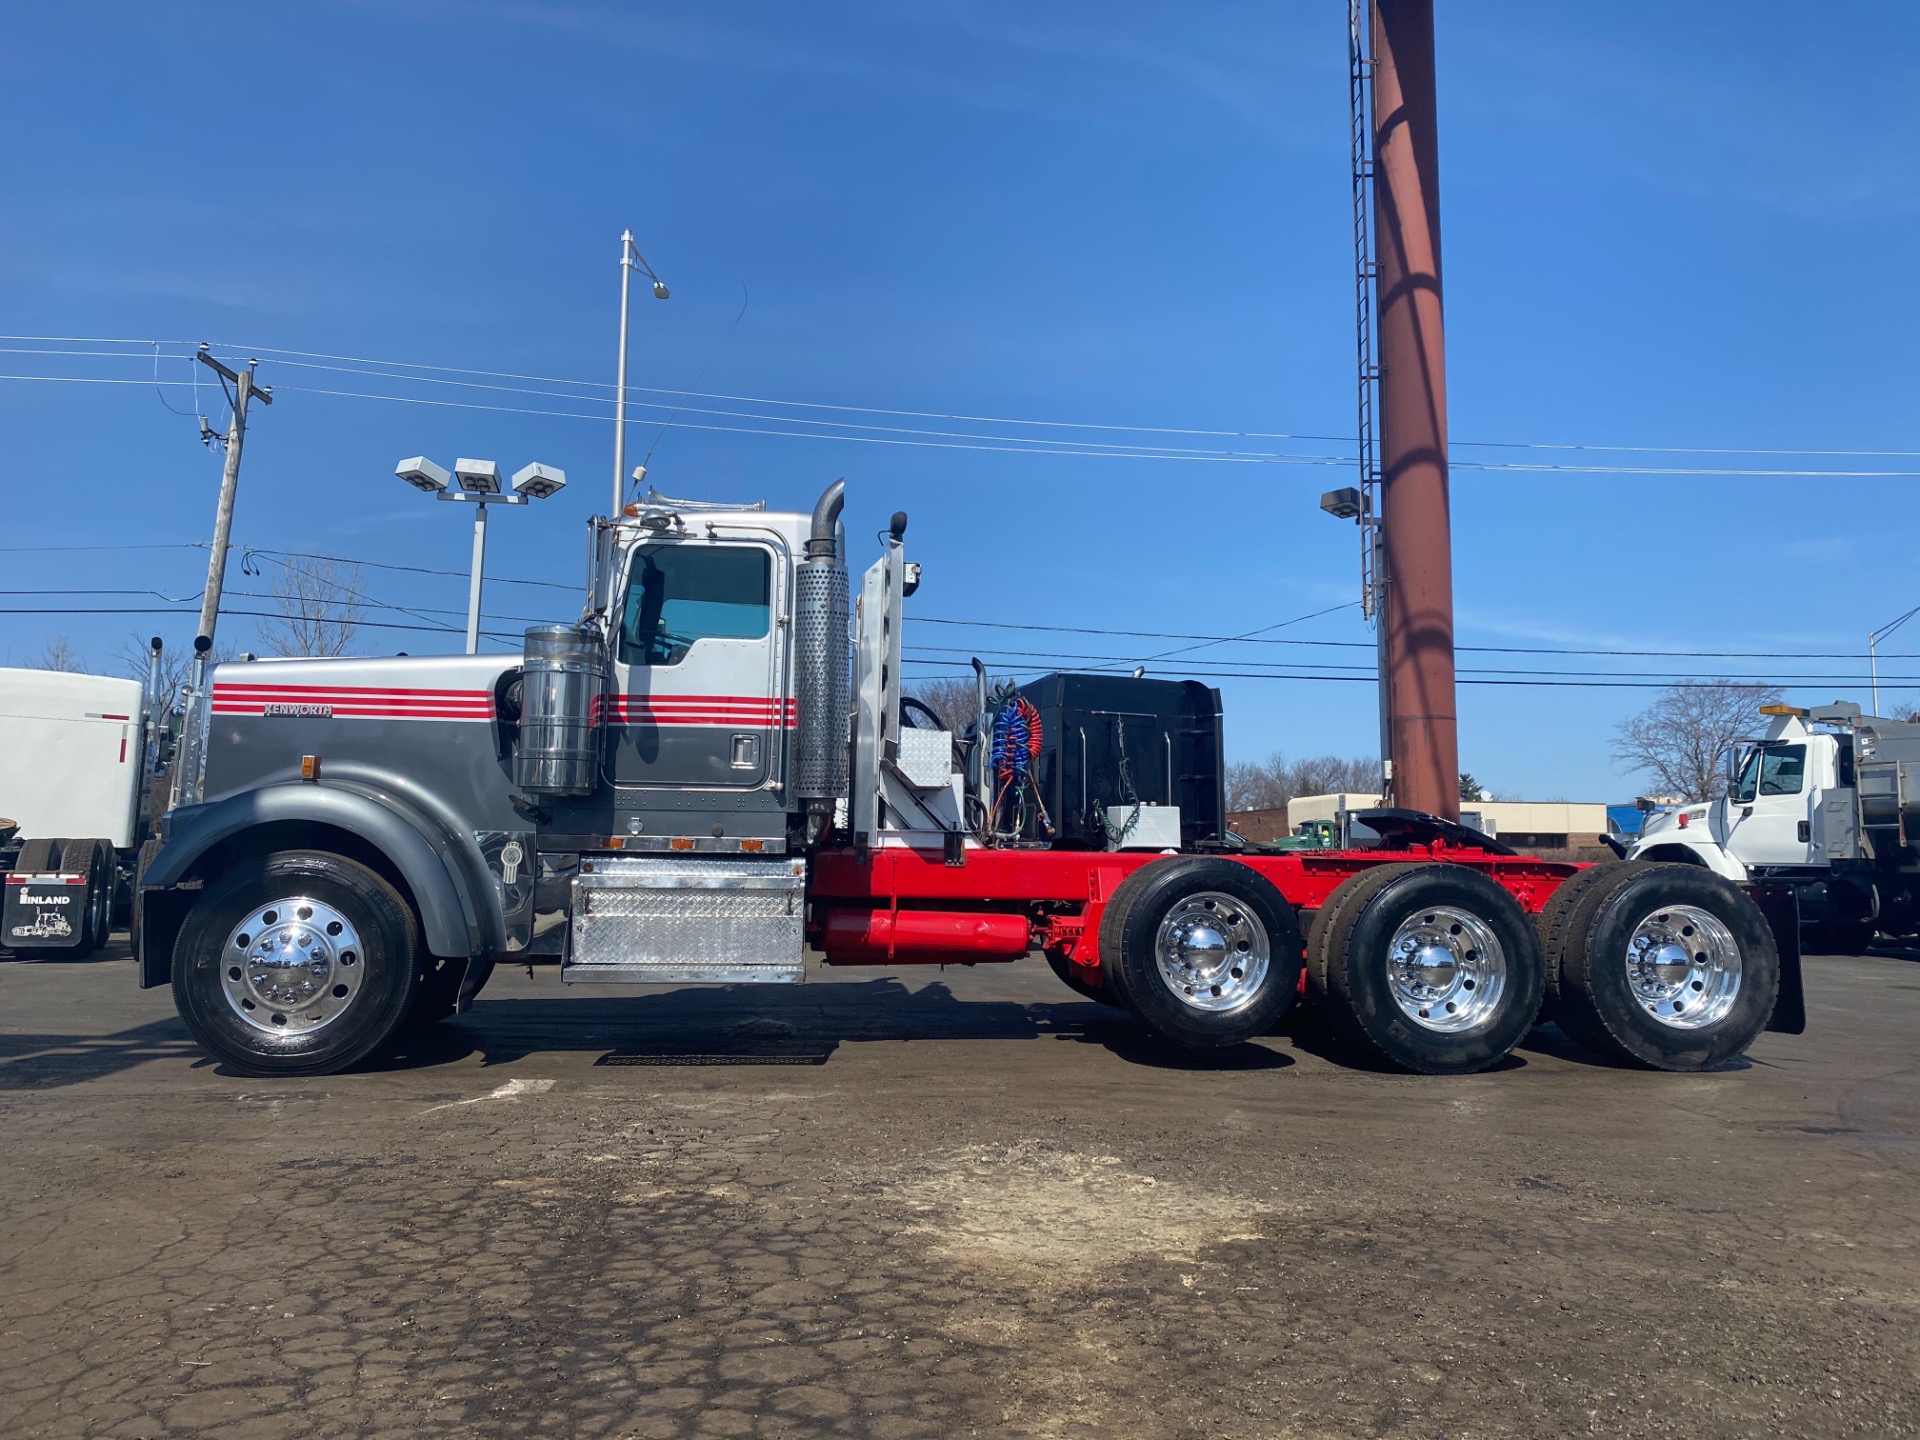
73	761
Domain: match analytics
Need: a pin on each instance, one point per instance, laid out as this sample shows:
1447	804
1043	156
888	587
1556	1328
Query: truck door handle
746	751
1803	832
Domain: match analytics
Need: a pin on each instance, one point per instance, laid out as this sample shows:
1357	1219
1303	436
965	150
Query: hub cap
1683	965
1213	952
292	966
1447	970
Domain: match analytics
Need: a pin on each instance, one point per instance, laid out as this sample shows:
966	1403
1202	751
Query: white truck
1826	802
74	765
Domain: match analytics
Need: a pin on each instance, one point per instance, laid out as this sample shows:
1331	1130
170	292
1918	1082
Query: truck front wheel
297	963
1205	952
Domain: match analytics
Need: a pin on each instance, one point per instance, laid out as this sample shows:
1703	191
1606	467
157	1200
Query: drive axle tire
1071	976
297	963
1432	968
1556	926
1205	952
95	859
1668	966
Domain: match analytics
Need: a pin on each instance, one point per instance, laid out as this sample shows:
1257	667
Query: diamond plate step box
695	919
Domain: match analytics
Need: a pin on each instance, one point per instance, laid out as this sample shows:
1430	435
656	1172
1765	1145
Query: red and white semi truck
715	768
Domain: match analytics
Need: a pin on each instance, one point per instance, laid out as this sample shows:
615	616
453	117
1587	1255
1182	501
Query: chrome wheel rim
1212	952
292	966
1447	970
1683	966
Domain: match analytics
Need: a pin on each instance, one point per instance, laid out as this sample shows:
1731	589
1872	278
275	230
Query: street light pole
1874	637
620	382
480	487
479	572
630	260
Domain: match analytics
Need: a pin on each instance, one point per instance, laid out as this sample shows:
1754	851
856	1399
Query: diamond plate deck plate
641	920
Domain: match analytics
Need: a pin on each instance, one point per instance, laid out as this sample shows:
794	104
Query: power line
1369	645
1836	683
1066	424
1087	449
1232	668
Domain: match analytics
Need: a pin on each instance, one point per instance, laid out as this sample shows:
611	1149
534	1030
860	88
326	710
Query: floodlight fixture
478	477
423	474
1342	504
537	481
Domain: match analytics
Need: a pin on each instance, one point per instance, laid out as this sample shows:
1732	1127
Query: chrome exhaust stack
821	666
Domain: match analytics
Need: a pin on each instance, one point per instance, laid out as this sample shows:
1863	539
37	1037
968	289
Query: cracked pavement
942	1204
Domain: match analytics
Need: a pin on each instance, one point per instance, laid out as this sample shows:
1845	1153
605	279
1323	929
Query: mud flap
1781	905
480	969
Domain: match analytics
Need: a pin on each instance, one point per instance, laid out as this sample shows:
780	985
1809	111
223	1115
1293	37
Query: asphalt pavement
946	1203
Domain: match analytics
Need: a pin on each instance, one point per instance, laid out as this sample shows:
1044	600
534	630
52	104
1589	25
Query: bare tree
1679	739
953	698
1253	786
59	654
1269	784
319	600
176	663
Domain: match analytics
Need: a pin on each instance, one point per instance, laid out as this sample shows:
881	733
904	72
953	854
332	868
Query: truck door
1770	812
696	700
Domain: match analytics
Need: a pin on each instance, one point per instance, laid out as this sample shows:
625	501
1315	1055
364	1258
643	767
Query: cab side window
1783	770
680	594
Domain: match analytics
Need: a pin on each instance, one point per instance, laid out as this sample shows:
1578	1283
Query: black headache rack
1113	740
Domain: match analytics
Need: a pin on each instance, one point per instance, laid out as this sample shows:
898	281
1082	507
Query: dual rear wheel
1667	966
1436	968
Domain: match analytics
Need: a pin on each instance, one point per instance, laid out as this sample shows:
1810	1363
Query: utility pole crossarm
264	392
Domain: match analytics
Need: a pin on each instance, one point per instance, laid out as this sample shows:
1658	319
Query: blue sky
1670	227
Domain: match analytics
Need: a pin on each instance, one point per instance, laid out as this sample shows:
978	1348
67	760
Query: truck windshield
678	594
1771	770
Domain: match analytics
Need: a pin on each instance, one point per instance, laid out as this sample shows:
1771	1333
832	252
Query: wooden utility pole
244	390
1416	556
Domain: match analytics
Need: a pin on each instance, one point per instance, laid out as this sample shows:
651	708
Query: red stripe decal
352	702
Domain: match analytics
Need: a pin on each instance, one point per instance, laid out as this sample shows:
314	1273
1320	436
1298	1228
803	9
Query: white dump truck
1826	802
74	764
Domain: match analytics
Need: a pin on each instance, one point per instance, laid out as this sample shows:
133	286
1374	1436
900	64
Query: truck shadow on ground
42	1062
699	1026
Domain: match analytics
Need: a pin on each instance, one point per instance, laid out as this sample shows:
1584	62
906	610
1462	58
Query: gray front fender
459	910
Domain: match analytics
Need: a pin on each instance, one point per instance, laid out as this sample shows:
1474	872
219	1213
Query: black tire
136	910
95	859
1355	888
1600	1005
1496	986
1837	937
1072	977
1240	906
377	970
38	857
1555	920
